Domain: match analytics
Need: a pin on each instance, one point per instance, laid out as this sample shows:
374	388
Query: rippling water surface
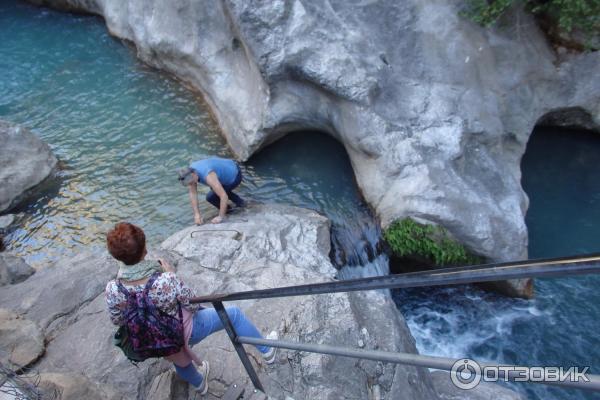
560	326
121	129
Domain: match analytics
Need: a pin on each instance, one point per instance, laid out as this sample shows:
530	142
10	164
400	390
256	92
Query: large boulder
25	161
273	246
434	111
260	247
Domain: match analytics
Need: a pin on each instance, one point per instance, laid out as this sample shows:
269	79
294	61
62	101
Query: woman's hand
165	265
198	219
217	220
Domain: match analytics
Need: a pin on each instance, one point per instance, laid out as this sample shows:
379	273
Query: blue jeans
207	322
215	200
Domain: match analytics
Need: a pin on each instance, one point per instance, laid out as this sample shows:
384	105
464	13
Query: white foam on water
456	322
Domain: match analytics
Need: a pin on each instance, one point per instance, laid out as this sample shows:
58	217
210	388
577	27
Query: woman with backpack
151	304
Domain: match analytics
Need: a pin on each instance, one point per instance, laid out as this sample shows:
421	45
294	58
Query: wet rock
25	161
13	270
21	340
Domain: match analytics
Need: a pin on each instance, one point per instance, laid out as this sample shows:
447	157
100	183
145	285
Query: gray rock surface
25	161
483	391
434	111
260	247
13	270
73	386
21	340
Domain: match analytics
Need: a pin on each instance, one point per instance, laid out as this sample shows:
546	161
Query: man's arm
213	181
193	191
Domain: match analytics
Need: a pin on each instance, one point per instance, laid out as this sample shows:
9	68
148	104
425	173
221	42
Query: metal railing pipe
417	360
451	276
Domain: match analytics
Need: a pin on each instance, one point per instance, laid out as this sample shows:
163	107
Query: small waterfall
357	247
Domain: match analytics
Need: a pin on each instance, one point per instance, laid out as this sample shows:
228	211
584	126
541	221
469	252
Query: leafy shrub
410	239
567	14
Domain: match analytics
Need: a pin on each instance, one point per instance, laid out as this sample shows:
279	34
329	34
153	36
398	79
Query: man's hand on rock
198	219
217	220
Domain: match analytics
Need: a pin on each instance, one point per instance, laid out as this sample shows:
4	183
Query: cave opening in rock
560	170
312	169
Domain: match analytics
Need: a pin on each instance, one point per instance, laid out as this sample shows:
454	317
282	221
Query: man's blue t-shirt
225	169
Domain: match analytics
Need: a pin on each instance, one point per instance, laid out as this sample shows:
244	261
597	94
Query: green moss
409	239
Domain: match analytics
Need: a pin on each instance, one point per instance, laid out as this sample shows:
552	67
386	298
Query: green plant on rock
568	14
409	239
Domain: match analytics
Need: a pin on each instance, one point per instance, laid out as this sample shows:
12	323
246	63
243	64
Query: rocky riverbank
62	310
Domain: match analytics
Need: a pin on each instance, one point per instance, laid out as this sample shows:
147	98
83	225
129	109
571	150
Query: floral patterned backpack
149	332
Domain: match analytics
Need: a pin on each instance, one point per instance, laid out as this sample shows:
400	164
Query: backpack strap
122	288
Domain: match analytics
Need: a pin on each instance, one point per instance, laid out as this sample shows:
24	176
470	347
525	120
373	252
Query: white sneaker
204	370
269	356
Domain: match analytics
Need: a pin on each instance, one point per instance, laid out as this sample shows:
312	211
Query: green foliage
486	13
568	14
409	239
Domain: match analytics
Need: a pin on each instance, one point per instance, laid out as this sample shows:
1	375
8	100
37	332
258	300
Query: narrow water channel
560	326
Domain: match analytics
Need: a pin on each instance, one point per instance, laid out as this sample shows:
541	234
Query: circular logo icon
465	374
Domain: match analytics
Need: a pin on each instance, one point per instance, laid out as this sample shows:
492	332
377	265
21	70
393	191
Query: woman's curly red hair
126	242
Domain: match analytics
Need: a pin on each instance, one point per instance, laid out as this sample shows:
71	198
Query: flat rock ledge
260	247
25	161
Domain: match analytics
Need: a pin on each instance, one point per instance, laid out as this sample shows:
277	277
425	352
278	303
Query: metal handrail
416	360
584	264
577	265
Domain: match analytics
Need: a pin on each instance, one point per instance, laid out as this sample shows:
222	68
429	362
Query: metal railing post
239	348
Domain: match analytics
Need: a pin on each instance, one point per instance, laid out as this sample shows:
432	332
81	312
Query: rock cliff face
25	161
434	112
262	247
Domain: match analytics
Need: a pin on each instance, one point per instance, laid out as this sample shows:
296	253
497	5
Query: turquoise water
121	129
560	326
